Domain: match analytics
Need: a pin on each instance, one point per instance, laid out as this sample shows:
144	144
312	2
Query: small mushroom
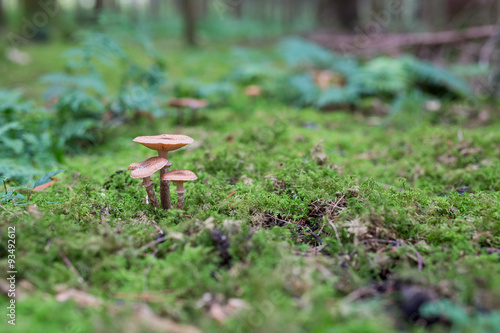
179	177
163	144
191	103
253	91
144	170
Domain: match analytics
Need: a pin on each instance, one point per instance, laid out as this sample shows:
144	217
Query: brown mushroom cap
148	167
164	142
188	103
179	176
253	90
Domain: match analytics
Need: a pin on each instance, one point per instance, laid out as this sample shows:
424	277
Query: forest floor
300	221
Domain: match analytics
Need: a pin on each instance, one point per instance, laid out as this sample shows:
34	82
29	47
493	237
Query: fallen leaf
246	180
79	297
232	193
217	312
18	57
44	186
34	211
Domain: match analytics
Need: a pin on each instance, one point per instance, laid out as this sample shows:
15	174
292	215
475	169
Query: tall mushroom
144	170
179	177
163	144
191	103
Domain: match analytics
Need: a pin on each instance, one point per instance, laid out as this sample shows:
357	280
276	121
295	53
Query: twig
337	203
333	224
357	294
379	42
400	243
277	219
336	232
318	239
71	267
6	210
151	244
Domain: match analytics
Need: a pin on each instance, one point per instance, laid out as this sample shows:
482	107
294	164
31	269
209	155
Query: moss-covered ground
301	221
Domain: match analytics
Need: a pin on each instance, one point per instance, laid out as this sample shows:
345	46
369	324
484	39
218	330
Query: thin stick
336	232
333	225
6	210
151	244
71	267
399	243
358	293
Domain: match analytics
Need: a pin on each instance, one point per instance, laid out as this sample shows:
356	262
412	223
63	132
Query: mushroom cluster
162	144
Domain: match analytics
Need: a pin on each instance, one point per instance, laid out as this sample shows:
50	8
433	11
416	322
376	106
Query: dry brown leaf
246	180
34	211
218	313
44	186
79	297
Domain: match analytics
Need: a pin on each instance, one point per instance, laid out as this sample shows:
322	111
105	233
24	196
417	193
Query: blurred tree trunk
494	61
434	14
287	13
38	15
114	4
99	6
134	11
238	9
203	9
155	8
337	13
188	12
2	15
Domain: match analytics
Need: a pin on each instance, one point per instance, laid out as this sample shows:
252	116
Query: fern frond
338	96
426	73
60	82
381	76
303	89
300	52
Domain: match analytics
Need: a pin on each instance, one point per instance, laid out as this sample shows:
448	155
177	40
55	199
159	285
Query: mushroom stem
194	112
180	195
180	116
149	185
165	184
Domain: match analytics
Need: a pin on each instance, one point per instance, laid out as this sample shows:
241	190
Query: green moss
316	214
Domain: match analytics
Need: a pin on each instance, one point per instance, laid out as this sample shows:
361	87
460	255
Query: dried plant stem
71	267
